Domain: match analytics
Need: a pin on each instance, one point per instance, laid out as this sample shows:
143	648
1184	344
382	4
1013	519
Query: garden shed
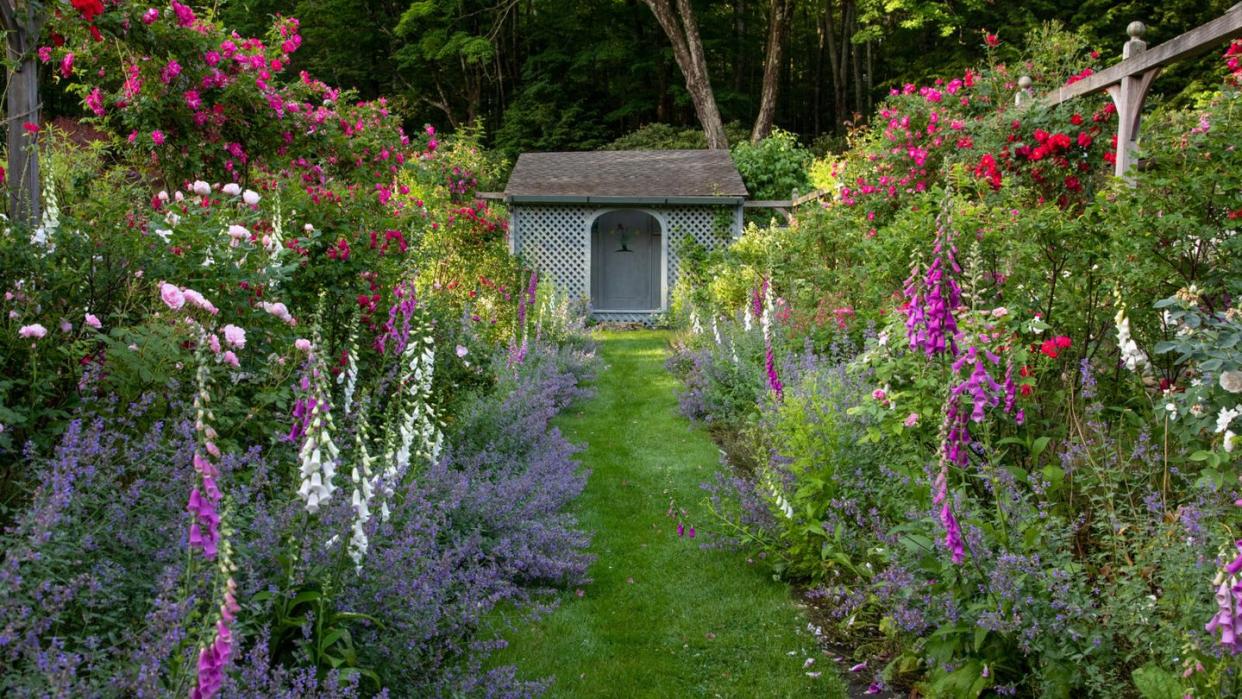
608	226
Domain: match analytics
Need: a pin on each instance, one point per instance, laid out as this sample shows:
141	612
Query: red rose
89	9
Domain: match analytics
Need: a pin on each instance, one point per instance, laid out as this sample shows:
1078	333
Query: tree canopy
568	75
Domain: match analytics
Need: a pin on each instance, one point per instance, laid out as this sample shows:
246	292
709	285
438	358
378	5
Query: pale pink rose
214	343
172	296
462	351
32	331
302	344
912	419
235	336
232	189
231	359
201	188
251	197
93	321
279	310
199	301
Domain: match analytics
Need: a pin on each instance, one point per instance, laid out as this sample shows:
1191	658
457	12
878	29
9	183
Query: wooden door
625	262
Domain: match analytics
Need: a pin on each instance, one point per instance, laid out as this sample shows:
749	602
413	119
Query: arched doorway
626	255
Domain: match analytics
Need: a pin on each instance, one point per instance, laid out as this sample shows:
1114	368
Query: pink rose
302	344
93	321
230	359
879	394
32	331
172	296
235	336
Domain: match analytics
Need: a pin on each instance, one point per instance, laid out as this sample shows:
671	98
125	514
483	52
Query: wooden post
22	107
1128	95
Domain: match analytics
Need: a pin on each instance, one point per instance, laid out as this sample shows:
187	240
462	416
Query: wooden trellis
1127	82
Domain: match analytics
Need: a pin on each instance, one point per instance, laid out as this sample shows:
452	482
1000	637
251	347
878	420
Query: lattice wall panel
554	240
701	222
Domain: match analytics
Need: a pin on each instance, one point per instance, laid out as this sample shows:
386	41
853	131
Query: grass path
662	617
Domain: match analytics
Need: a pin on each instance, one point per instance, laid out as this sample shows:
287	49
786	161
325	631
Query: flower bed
275	415
982	402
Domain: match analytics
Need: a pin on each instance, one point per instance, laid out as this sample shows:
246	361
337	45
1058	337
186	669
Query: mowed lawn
662	617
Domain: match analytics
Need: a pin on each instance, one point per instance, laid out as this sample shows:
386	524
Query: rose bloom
232	189
93	321
235	336
302	344
171	295
1231	381
32	331
251	197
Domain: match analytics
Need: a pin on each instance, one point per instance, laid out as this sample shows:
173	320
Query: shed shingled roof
626	173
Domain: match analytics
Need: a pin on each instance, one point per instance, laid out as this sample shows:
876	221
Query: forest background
541	75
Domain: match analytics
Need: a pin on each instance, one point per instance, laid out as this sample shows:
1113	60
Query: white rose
1231	381
232	189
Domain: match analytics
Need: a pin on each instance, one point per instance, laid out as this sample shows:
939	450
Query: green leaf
1153	682
1038	446
1054	474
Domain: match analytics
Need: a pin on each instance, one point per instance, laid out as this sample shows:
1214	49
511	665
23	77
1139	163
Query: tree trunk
819	77
22	107
778	22
683	33
739	43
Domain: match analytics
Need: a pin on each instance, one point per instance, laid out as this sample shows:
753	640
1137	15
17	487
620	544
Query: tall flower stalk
205	496
349	377
364	491
1226	623
934	295
417	432
769	357
518	350
208	534
313	428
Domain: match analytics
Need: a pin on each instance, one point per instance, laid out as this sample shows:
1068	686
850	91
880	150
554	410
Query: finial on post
1024	90
1135	45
